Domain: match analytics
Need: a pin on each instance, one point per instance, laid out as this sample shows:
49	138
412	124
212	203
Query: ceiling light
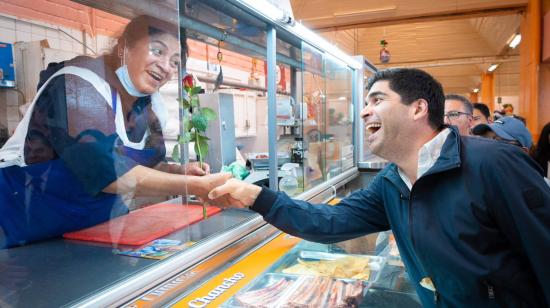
515	41
476	90
342	98
492	67
266	9
363	13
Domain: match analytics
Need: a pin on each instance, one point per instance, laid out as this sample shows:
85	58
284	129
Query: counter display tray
144	225
376	263
281	290
386	298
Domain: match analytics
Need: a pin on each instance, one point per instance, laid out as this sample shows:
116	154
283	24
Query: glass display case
367	162
286	106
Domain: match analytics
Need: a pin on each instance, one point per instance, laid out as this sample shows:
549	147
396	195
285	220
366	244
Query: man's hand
194	168
242	194
210	182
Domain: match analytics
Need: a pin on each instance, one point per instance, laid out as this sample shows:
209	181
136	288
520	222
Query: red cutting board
143	225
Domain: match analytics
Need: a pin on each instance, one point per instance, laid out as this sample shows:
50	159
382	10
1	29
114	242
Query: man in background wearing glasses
458	112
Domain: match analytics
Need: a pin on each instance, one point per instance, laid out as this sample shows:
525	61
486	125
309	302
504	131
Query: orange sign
220	288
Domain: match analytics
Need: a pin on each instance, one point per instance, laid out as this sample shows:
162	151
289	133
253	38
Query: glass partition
374	162
339	117
289	118
119	105
314	98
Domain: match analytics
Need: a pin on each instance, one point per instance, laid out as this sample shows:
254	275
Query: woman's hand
208	183
194	168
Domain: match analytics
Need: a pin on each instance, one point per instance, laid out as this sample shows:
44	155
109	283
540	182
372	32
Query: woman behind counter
92	138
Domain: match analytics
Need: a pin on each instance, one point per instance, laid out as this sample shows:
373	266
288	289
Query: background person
458	112
469	231
507	129
93	138
542	151
508	109
480	115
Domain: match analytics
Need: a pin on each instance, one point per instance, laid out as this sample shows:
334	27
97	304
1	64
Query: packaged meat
284	291
314	263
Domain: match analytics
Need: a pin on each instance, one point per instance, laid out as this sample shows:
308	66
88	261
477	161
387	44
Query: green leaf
185	103
195	90
185	138
194	101
187	124
203	137
199	122
209	113
201	147
176	153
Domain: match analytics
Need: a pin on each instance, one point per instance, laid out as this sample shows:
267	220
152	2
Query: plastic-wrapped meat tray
376	263
281	290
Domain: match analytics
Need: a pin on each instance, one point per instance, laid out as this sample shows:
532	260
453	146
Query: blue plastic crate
7	69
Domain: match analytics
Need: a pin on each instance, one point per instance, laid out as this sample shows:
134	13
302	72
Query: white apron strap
12	153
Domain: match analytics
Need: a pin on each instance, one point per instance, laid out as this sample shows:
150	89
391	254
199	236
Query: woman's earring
121	56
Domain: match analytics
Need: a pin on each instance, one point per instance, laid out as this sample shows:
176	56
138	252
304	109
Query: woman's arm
193	168
144	181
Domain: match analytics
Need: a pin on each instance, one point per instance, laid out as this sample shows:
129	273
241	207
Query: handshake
221	189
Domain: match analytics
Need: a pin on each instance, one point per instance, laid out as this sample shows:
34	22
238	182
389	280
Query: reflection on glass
339	117
92	131
91	151
314	96
367	155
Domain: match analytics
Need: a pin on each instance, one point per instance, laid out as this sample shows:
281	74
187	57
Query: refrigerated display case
320	100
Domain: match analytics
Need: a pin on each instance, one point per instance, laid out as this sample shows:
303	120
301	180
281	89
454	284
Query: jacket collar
450	153
448	159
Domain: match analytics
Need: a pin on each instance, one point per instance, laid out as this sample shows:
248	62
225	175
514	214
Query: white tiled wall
13	30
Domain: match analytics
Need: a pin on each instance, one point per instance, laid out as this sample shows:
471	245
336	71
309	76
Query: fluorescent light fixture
314	39
273	13
265	8
363	13
492	67
515	41
476	90
342	98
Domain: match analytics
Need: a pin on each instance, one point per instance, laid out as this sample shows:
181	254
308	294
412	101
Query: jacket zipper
436	294
490	291
436	297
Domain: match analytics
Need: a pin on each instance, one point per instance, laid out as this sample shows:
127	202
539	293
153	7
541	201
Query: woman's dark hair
412	84
145	25
542	152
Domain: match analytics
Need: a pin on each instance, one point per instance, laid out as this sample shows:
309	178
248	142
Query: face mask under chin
124	76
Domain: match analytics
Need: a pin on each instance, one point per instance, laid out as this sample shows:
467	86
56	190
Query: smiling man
469	231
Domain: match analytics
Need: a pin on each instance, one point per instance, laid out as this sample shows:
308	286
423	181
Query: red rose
188	81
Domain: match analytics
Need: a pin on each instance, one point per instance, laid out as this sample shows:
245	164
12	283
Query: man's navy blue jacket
477	223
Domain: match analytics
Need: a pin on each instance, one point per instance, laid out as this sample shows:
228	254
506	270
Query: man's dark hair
483	109
413	84
465	102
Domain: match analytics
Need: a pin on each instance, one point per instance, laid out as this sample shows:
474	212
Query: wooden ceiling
454	40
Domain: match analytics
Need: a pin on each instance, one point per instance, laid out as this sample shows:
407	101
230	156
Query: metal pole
355	116
272	106
359	102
